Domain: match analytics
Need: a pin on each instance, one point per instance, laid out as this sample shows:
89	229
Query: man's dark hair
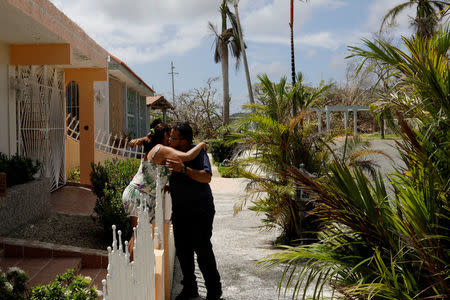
185	130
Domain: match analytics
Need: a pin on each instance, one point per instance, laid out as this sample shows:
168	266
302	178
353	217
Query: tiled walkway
74	200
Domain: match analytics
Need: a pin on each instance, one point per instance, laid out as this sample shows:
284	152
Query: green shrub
221	150
18	169
13	284
108	182
110	211
74	175
65	287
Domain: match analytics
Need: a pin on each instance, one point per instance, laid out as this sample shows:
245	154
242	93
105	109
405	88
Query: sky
149	34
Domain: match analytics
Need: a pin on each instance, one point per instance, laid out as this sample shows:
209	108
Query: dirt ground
73	230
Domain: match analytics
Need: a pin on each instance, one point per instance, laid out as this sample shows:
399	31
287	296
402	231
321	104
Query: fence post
319	120
346	119
327	114
355	121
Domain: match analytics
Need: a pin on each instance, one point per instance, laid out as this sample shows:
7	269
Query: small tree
200	108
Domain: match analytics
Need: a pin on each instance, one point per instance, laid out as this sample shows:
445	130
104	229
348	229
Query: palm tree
426	19
377	244
270	130
227	40
291	25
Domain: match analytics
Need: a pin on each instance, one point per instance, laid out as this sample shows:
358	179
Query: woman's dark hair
185	131
155	137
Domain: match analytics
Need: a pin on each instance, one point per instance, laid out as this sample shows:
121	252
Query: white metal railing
105	141
39	95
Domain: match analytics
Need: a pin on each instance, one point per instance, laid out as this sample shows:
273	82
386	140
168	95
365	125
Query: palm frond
393	12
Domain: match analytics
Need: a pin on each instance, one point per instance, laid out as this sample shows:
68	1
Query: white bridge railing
338	108
105	141
149	275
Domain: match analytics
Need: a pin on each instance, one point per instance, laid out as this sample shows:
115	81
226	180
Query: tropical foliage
274	140
14	286
66	286
377	243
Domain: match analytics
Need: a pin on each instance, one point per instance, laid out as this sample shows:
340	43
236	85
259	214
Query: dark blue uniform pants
193	234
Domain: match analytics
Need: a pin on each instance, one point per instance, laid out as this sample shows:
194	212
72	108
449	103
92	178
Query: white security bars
105	141
39	93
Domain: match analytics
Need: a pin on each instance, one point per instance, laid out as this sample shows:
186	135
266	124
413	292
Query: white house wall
4	108
101	108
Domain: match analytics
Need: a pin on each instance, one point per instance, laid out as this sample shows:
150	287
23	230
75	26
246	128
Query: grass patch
229	172
377	136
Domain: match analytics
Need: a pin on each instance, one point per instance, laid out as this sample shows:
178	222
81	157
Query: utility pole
173	86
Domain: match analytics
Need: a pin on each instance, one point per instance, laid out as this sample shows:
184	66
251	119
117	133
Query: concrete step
42	270
55	266
91	258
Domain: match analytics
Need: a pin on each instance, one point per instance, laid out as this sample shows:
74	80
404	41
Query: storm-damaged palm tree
293	75
227	40
428	14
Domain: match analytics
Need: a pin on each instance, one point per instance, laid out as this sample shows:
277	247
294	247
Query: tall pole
173	85
291	25
244	56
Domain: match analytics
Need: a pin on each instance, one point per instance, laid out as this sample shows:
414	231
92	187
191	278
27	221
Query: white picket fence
105	141
136	279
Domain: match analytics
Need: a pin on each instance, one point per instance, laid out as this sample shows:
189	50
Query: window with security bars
131	112
142	116
73	103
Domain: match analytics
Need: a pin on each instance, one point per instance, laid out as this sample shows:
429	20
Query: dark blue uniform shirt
190	197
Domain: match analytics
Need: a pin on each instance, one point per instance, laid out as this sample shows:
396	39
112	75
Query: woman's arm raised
191	154
171	153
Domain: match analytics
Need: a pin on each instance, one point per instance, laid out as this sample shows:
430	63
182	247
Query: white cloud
269	23
338	61
322	39
379	8
274	70
143	30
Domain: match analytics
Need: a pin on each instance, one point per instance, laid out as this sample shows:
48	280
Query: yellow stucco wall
115	106
40	54
85	78
4	99
73	155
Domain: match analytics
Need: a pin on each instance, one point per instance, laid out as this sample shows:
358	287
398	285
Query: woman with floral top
143	184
